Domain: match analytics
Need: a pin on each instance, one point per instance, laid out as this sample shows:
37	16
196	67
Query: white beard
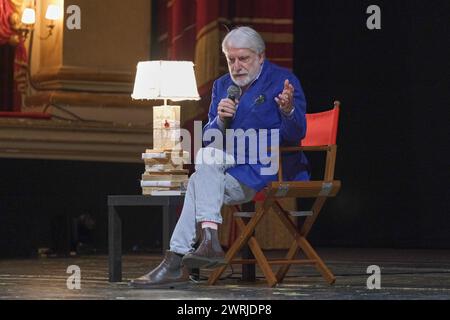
249	78
242	82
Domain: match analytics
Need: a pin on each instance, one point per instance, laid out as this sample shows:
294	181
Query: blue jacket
257	110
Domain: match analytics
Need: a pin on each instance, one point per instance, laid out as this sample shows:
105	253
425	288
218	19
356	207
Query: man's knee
239	196
211	157
192	179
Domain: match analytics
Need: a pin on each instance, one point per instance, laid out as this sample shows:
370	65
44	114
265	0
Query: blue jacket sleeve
293	127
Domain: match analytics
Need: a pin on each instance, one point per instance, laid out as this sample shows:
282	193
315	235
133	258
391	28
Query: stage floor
405	274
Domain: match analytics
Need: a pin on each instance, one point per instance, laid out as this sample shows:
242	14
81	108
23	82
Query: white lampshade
53	12
28	16
171	80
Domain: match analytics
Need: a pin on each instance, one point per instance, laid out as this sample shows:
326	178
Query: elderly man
271	98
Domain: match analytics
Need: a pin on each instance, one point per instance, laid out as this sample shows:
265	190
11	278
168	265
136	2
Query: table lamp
165	80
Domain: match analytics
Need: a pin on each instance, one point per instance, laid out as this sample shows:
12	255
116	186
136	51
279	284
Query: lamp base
166	127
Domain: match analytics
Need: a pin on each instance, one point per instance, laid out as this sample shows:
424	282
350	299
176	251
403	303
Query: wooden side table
169	204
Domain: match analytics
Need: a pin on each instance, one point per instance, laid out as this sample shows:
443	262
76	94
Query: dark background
393	137
393	141
6	77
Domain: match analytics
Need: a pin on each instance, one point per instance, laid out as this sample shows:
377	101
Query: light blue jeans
208	189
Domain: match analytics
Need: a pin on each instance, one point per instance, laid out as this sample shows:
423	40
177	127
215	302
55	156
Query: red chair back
321	128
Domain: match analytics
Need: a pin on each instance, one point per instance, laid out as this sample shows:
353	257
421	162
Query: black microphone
234	93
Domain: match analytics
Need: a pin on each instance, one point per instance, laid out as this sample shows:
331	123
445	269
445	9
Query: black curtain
393	136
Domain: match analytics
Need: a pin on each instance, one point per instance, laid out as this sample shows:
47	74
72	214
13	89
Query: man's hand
286	99
226	108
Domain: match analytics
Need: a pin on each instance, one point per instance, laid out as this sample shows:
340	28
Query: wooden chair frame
320	190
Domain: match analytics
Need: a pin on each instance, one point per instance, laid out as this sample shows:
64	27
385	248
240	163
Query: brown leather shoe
169	274
209	254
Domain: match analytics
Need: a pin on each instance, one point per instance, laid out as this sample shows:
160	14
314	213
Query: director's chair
320	136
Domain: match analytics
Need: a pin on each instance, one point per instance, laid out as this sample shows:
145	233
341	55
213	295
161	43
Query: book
163	177
159	161
166	153
167	184
158	170
156	167
175	157
154	155
166	193
147	190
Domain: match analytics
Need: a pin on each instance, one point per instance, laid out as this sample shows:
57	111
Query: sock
211	225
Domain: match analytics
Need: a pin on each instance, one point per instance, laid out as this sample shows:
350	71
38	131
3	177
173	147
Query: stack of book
164	173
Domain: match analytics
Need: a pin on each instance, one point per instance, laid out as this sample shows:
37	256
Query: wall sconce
51	15
29	19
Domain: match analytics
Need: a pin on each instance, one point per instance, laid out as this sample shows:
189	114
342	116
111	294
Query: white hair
244	38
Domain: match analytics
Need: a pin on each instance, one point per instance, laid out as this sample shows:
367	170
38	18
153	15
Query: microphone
234	93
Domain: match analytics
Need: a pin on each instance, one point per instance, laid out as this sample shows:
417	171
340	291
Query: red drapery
13	77
6	10
193	30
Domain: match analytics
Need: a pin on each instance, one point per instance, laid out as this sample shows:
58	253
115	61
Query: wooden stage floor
405	275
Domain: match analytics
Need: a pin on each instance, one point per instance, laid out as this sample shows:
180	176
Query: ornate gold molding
66	140
80	78
82	73
44	98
